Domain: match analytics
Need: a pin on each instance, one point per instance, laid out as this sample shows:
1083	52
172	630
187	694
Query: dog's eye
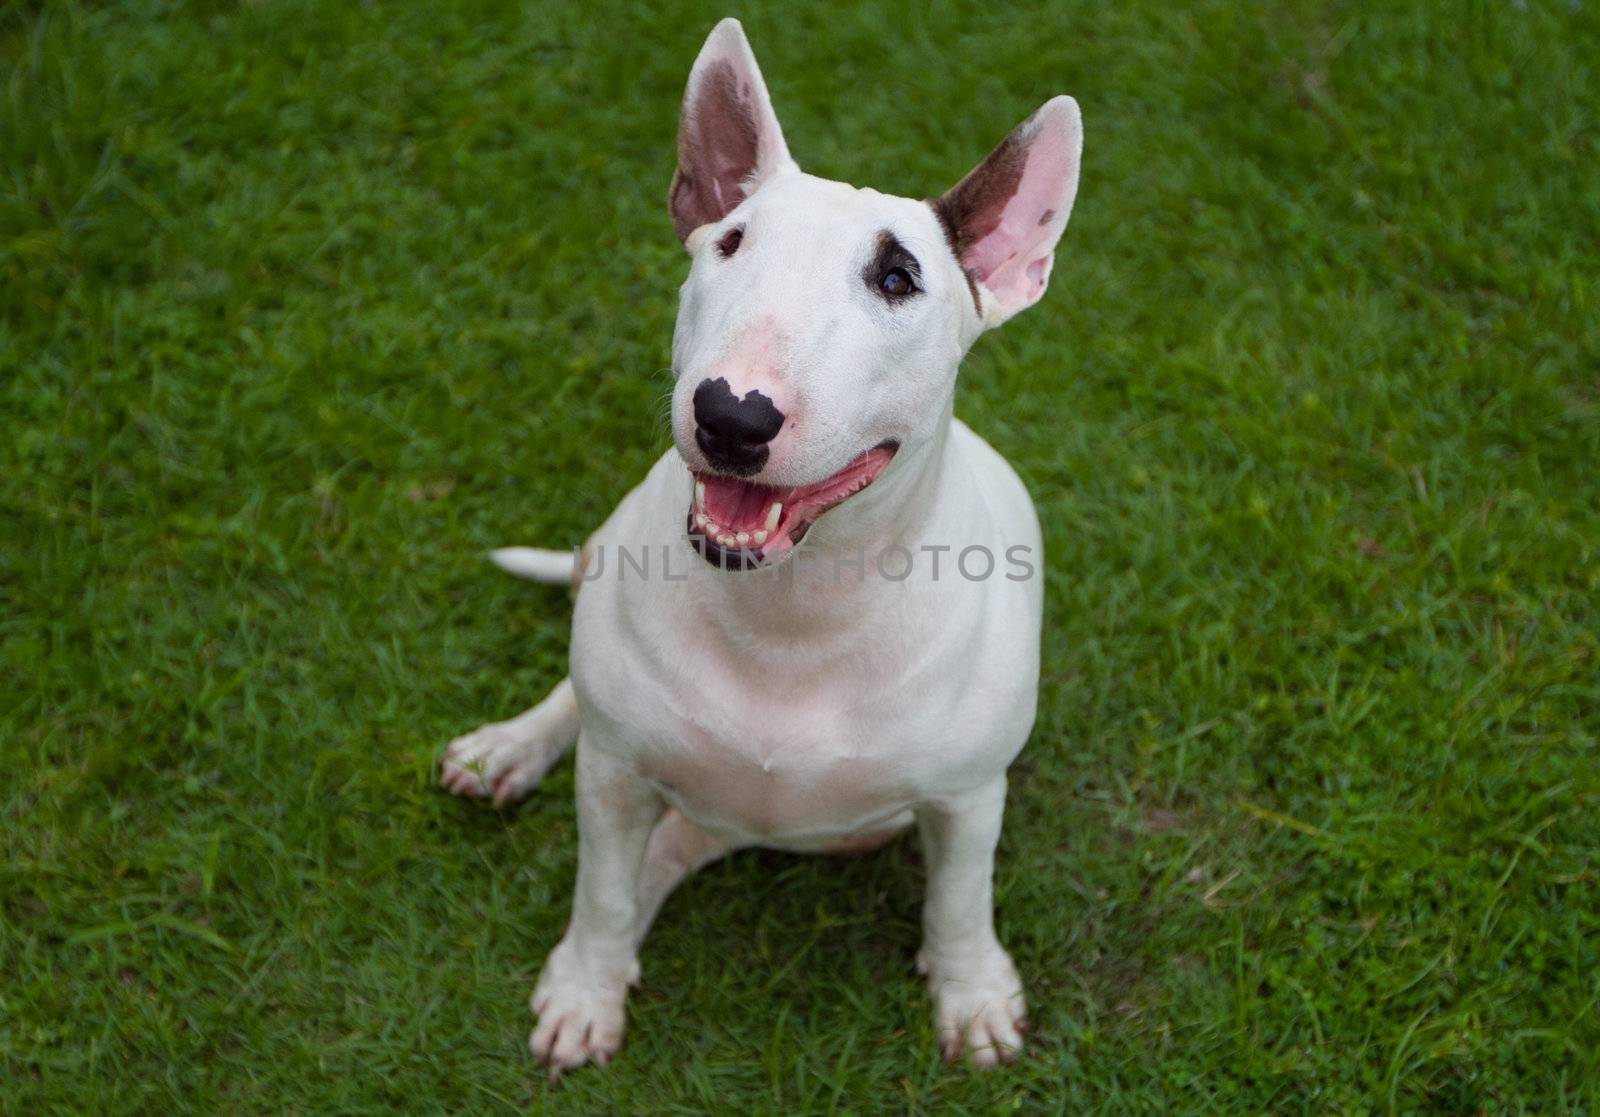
729	244
892	271
896	283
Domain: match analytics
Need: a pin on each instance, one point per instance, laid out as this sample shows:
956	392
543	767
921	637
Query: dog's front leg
977	997
580	994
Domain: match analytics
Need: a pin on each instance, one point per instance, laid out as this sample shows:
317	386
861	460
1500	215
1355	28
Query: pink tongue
737	505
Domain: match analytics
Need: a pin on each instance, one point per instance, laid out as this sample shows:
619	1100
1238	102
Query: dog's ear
1004	218
728	136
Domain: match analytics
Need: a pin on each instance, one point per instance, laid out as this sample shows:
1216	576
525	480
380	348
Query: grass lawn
304	306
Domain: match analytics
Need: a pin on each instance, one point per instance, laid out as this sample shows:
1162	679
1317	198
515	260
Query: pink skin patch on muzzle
739	524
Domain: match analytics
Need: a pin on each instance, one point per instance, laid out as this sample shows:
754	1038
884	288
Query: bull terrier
769	701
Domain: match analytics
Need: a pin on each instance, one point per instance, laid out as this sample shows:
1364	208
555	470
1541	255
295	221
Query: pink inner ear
1013	258
728	137
719	146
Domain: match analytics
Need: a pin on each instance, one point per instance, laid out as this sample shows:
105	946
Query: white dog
733	695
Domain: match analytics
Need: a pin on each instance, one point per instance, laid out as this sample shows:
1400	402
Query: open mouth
738	524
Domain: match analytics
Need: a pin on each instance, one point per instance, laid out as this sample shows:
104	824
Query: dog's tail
555	568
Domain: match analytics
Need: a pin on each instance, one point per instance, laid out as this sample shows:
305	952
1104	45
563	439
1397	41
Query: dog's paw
977	1005
581	1015
502	761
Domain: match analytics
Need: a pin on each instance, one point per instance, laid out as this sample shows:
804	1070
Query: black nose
733	433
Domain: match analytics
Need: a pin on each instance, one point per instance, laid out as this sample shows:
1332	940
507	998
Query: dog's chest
801	758
766	781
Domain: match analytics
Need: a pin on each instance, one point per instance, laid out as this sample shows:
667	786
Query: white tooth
743	537
699	494
711	527
773	514
725	540
700	520
760	537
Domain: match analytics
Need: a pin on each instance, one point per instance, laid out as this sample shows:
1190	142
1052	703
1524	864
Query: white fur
551	567
788	706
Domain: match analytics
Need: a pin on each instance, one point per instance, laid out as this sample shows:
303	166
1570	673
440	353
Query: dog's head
821	324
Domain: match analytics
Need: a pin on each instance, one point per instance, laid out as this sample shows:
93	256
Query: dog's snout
733	433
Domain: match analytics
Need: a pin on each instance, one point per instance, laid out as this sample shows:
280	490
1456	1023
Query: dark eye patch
892	274
731	240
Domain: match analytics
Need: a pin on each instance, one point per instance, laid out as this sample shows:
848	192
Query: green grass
303	306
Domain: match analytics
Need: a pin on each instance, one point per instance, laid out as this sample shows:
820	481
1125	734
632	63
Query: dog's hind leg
505	760
677	848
